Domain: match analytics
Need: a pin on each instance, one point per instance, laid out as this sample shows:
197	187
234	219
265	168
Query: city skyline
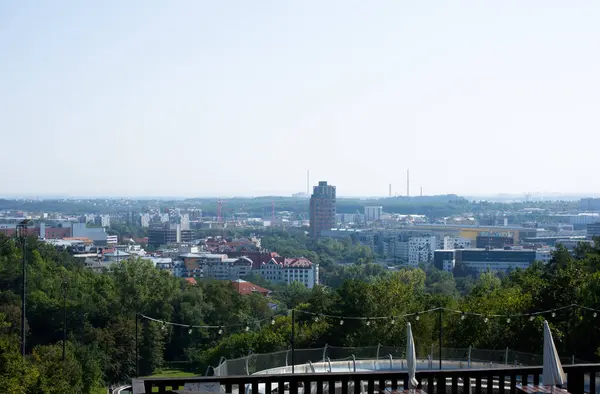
211	99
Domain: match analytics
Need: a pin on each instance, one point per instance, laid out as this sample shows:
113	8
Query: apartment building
291	270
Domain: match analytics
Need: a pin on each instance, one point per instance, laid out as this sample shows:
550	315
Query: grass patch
172	373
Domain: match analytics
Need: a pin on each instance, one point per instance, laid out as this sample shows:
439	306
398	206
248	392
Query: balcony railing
581	378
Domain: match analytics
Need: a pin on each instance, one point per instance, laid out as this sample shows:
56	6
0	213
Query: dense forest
431	206
102	310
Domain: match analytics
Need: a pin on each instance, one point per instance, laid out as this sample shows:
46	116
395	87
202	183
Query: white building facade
421	249
373	213
291	270
455	243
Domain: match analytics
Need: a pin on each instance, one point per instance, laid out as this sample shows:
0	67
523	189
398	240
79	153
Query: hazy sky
242	97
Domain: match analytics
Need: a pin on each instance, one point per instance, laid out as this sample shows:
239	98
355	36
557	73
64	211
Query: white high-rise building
185	221
145	220
372	214
105	220
421	249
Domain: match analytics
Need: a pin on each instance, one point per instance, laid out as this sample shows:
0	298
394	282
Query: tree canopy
102	310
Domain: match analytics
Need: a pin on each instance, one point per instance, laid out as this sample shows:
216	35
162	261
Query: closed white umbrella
553	373
411	358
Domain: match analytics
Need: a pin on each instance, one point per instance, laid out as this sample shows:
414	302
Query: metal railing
430	355
580	379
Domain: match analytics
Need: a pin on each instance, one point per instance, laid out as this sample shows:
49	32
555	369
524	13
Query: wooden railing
581	379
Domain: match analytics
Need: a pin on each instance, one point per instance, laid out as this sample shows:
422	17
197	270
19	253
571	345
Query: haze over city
240	98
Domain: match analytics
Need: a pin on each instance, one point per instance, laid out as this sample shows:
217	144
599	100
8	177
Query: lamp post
137	355
22	236
64	341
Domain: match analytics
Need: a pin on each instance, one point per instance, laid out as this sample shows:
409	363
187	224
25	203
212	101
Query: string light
485	319
317	317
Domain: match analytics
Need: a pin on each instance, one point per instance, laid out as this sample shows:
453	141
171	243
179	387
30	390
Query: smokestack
308	182
408	183
421	191
390	190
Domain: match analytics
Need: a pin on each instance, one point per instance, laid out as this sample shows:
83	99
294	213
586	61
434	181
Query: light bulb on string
595	314
368	322
393	321
508	319
190	330
247	328
417	317
463	316
220	330
485	319
316	319
341	322
272	322
531	318
553	314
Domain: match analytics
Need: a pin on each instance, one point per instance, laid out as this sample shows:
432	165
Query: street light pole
137	356
64	341
22	235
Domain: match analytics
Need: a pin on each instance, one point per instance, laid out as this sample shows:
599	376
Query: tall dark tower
322	209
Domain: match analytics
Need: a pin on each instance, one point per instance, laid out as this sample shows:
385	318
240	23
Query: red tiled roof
191	281
245	288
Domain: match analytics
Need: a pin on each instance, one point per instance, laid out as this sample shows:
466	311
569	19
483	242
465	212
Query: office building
493	242
482	260
593	230
322	209
456	243
168	234
589	204
373	214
